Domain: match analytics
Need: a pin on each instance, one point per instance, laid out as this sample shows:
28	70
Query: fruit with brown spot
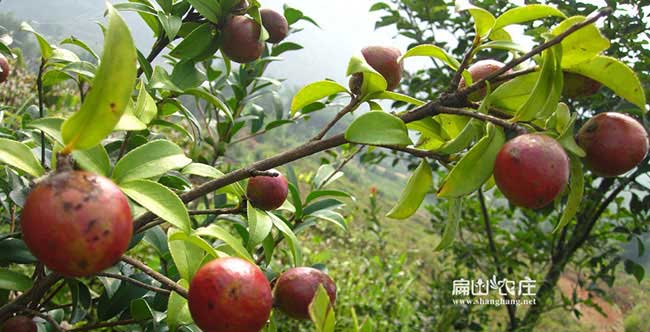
480	70
77	223
4	67
267	192
615	143
531	170
383	59
241	39
275	24
576	85
295	289
230	295
19	324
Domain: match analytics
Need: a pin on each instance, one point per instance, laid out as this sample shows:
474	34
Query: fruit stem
64	162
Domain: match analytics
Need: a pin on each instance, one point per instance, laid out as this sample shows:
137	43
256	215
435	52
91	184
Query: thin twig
350	107
105	325
156	275
123	146
455	81
133	281
341	165
41	105
485	117
416	152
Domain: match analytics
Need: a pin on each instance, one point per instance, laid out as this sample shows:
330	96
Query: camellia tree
84	190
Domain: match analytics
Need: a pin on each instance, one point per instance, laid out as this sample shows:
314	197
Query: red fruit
241	39
384	60
295	289
480	70
615	143
77	223
230	295
531	170
276	25
19	324
4	66
576	85
267	192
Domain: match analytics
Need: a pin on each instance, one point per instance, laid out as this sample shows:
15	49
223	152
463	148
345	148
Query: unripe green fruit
275	24
615	143
77	223
531	170
384	60
230	295
267	192
4	66
480	70
576	85
295	289
19	324
241	39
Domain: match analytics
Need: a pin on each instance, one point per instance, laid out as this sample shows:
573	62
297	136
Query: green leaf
292	240
128	120
503	45
330	216
314	92
197	242
453	219
576	190
373	81
187	257
259	226
615	75
174	126
208	171
197	43
217	232
321	311
46	48
285	47
150	160
50	126
209	9
20	156
470	132
567	140
160	200
140	310
395	96
635	269
416	189
216	102
323	193
378	128
543	90
94	160
512	95
433	51
145	106
12	280
111	89
581	45
483	20
524	14
178	312
170	23
475	167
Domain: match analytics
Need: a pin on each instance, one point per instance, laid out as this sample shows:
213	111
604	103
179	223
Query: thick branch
156	275
34	294
215	212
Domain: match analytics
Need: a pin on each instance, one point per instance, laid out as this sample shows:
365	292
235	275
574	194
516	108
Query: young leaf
111	89
208	171
416	189
526	13
315	92
463	139
543	88
186	256
395	96
512	95
150	160
46	48
378	128
436	52
160	200
292	240
576	190
615	75
483	19
453	219
475	167
235	244
94	160
581	45
20	156
178	312
259	226
373	81
321	311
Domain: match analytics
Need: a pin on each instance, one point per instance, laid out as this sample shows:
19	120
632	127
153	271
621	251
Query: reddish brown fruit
295	289
77	223
276	25
384	60
531	170
480	70
240	8
267	192
230	295
241	39
615	143
576	85
4	66
19	324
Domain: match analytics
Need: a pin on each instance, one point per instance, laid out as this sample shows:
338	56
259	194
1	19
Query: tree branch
133	281
171	284
455	81
416	152
350	107
46	317
34	294
105	325
234	210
